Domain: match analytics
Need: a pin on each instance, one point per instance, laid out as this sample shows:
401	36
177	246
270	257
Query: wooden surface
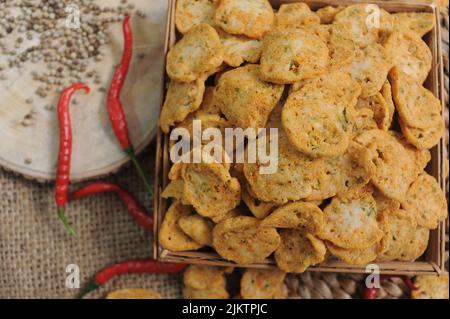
32	150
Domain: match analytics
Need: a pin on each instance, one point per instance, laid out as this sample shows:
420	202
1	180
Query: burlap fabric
35	250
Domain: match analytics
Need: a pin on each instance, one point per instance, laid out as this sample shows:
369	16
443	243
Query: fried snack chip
210	188
344	173
295	15
213	293
207	107
281	291
204	277
316	128
297	215
386	92
381	113
244	99
361	256
292	55
384	202
242	240
395	164
400	236
190	13
369	68
327	13
411	55
238	211
171	236
423	138
258	208
240	49
261	283
252	18
197	54
351	221
354	171
198	228
294	179
337	86
418	22
430	287
416	106
175	190
359	25
417	247
426	201
298	251
181	100
134	294
296	176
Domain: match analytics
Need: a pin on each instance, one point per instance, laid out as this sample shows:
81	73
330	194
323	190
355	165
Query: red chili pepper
114	104
371	293
65	152
131	204
134	266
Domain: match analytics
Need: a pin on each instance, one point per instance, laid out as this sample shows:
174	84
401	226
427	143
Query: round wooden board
32	150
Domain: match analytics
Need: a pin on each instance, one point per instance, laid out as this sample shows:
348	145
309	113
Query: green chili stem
67	226
91	286
132	155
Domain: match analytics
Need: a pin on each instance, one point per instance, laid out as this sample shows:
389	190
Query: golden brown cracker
196	55
350	221
189	13
242	240
298	215
261	283
171	237
252	18
181	100
244	99
298	251
198	228
426	201
292	55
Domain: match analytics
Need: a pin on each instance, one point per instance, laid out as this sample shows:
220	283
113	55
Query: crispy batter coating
242	240
430	287
416	106
171	237
244	99
411	55
198	54
297	215
292	55
426	201
261	283
134	294
418	22
350	221
252	18
295	15
190	13
298	251
198	228
181	100
395	164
